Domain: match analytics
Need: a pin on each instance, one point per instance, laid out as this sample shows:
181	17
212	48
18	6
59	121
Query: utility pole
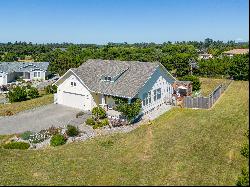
192	64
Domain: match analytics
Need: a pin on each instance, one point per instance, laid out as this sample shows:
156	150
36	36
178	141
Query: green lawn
208	85
181	147
26	105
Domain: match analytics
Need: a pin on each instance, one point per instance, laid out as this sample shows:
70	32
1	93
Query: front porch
108	103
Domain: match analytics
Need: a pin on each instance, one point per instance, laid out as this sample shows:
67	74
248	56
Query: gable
69	75
158	77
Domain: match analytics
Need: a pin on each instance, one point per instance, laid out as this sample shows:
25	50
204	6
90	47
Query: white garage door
75	100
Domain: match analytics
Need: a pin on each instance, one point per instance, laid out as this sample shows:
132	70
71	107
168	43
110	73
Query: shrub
17	94
99	112
79	114
243	180
57	139
50	89
105	122
28	86
26	135
33	93
72	131
102	123
8	113
16	145
53	130
90	121
195	81
245	150
130	111
97	125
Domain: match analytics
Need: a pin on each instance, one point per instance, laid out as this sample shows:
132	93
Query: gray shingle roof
132	76
9	67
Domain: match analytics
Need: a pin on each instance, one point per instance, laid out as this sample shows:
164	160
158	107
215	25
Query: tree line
175	56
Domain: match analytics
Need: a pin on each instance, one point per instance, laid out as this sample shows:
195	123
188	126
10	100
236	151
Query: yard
208	85
26	105
181	147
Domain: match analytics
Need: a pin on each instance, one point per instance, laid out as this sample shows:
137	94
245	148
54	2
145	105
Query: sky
131	21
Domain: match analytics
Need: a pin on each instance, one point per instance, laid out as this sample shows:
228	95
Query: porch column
103	100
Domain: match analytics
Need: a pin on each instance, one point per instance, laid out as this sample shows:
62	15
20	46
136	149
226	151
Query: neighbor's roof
9	67
237	51
132	76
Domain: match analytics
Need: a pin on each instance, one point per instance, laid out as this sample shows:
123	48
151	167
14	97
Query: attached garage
75	100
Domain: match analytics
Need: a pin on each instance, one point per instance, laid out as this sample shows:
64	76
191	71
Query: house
97	82
205	56
10	71
233	52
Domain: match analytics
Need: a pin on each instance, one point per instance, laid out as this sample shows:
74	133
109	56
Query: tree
195	81
130	111
17	94
239	69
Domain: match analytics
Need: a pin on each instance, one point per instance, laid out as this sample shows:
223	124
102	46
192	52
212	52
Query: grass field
208	85
26	105
181	147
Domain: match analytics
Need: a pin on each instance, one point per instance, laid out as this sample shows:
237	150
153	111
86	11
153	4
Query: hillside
181	147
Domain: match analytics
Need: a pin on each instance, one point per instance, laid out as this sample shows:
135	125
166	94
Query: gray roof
132	76
9	67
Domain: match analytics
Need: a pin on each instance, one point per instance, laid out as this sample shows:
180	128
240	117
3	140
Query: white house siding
77	96
42	75
3	79
158	80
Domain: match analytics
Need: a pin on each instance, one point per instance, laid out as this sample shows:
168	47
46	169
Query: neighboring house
205	56
10	71
96	82
233	52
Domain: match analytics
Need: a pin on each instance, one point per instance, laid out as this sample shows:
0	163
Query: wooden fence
205	102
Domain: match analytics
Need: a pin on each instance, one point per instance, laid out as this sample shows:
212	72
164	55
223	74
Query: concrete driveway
40	118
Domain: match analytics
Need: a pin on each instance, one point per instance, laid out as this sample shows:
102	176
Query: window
39	74
154	95
149	97
35	74
73	83
158	93
146	98
108	78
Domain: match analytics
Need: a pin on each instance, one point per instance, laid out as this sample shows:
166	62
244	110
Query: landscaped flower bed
43	138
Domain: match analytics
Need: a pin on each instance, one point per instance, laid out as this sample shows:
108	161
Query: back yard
208	85
181	147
